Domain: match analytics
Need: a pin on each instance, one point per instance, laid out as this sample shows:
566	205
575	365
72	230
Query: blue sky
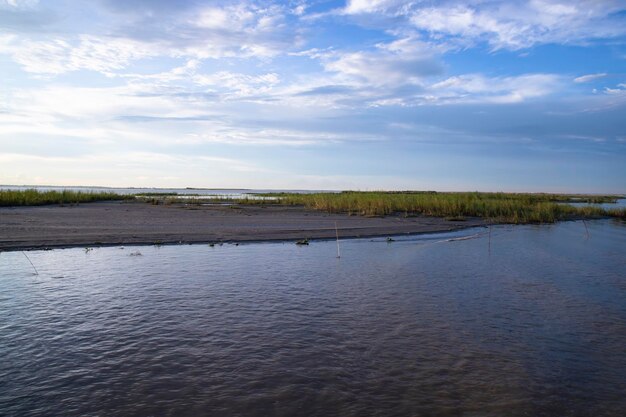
315	94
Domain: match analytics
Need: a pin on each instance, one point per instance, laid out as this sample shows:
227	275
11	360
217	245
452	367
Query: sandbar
139	223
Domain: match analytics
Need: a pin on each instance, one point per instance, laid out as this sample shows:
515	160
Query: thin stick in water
31	263
586	230
337	234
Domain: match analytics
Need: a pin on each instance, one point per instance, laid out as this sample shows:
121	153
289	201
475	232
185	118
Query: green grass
498	207
618	213
33	197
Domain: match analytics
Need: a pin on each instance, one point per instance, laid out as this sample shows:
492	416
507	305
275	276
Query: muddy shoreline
136	223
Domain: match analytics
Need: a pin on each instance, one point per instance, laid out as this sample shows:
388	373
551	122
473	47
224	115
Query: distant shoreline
622	193
137	223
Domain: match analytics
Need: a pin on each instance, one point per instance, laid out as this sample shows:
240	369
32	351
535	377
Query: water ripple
533	326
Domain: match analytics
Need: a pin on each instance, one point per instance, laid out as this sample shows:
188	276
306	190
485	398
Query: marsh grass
498	207
33	197
618	213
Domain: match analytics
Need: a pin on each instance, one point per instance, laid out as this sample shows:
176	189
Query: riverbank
137	223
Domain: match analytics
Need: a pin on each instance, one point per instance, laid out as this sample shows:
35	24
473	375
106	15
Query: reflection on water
532	324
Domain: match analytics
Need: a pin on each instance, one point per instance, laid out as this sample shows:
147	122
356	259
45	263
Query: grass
32	197
498	207
617	213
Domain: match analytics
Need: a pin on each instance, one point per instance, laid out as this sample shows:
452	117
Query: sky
313	94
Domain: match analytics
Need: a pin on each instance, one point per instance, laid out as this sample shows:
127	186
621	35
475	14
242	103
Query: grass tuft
33	197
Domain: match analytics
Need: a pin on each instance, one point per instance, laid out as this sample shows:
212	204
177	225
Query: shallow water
521	321
620	203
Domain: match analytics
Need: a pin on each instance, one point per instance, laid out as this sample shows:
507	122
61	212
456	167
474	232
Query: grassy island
499	207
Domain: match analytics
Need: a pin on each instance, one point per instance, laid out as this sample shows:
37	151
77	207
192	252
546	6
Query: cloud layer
311	91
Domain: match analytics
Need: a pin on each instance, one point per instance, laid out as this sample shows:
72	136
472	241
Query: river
515	321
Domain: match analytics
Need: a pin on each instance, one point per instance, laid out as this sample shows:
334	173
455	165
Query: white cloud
155	80
619	90
377	68
478	88
216	18
462	89
465	22
57	56
273	137
240	85
240	18
18	4
237	30
589	77
187	79
397	62
369	6
130	115
408	72
299	9
510	25
96	104
242	30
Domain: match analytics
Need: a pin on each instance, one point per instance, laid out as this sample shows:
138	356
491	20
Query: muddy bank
126	223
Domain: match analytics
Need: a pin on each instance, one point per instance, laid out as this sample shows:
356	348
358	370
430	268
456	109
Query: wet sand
135	223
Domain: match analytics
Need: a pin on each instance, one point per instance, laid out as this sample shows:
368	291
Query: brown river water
518	321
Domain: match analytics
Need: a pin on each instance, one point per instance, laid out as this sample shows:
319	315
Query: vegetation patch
618	213
498	207
33	197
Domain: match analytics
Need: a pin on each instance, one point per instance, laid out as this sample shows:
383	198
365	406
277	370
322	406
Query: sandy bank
125	223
